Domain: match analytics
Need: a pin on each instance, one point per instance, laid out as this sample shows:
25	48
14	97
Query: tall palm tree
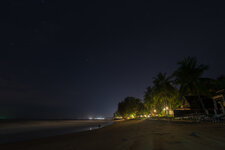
163	90
148	98
188	76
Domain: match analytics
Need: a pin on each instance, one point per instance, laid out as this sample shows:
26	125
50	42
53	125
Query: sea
22	130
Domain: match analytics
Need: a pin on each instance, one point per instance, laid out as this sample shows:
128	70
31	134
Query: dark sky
69	59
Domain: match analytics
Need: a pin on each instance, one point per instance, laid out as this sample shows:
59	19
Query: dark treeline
167	91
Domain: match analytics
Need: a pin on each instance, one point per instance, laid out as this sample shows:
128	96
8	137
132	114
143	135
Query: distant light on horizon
97	118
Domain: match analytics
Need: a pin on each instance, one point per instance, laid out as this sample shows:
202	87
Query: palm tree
163	91
188	76
148	99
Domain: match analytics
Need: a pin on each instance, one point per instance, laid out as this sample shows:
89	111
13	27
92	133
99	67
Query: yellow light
154	110
145	115
167	107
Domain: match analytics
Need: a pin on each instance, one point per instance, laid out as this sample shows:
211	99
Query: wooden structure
195	105
219	103
201	105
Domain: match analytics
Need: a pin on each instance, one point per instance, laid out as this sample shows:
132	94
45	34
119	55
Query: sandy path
135	135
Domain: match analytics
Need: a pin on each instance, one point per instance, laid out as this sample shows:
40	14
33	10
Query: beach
134	135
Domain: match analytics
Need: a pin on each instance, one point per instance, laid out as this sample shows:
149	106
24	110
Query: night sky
75	59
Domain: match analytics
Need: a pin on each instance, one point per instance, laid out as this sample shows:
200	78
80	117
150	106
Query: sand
135	135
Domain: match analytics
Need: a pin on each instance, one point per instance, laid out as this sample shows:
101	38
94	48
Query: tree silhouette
188	76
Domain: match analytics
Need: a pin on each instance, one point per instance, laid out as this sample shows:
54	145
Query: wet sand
135	135
13	131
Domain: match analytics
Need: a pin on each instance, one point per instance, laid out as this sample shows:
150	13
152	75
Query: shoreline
28	130
134	134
